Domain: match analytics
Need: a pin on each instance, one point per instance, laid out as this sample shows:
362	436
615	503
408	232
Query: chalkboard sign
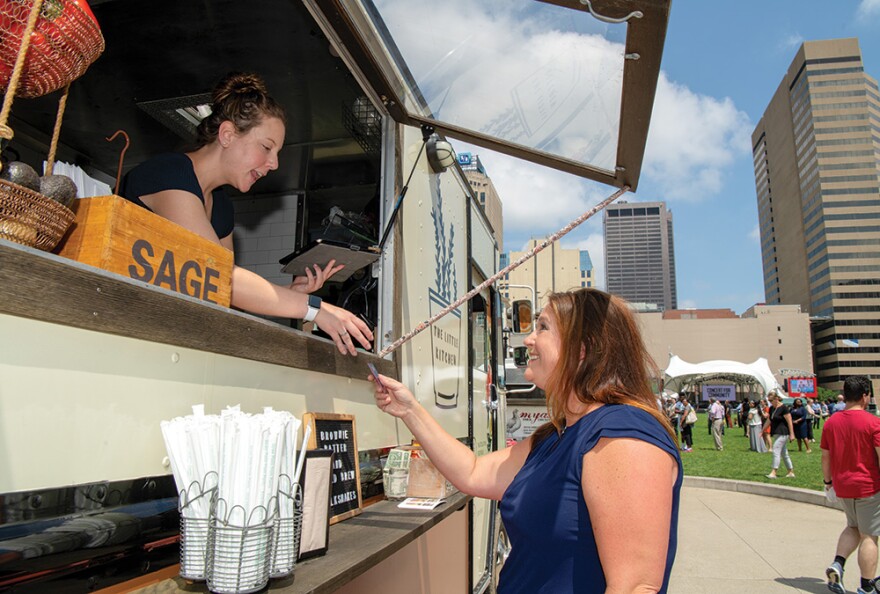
337	433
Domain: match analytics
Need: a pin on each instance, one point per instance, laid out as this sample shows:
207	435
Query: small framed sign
338	433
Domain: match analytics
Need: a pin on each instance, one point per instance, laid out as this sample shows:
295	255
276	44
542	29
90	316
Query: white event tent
680	373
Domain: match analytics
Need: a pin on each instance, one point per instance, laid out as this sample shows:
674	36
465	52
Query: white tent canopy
680	373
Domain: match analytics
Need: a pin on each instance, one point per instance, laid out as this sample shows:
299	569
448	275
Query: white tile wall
264	233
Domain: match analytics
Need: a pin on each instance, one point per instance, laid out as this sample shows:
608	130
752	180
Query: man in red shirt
851	470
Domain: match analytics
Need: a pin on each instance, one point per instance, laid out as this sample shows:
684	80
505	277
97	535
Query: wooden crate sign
117	235
337	433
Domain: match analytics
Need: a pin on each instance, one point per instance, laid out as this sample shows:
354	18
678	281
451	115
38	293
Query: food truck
93	360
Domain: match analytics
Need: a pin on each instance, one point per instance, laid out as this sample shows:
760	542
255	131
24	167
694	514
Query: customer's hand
313	281
393	397
344	328
830	495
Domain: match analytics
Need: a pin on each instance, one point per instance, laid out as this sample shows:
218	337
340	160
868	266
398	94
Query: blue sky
721	65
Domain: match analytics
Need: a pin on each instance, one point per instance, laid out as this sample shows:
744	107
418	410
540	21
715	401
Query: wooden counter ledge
46	287
356	545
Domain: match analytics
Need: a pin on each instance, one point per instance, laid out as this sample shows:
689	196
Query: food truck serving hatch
566	84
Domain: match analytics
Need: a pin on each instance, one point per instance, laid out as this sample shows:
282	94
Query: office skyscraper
816	154
639	254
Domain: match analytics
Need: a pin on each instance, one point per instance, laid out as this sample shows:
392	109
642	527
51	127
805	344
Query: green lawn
737	462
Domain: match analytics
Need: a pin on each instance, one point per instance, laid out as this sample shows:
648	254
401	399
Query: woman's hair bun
239	83
241	98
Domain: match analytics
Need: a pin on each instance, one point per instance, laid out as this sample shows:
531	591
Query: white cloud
791	41
537	200
687	304
868	8
692	140
755	234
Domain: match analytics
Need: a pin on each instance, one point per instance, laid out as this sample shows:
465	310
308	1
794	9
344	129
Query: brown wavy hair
242	99
615	367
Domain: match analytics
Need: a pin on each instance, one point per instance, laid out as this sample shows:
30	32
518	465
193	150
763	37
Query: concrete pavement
739	537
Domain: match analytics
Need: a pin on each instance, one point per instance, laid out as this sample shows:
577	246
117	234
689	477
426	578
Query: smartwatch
314	308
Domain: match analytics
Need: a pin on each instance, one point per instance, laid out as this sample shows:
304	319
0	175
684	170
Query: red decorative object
64	43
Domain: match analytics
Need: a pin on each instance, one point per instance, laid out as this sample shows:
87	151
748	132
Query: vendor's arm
627	486
485	476
250	291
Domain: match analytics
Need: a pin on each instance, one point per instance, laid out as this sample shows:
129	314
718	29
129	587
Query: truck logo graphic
446	333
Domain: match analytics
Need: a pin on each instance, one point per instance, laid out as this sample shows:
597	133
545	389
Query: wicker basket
31	219
44	45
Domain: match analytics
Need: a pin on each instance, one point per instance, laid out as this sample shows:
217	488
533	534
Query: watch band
314	308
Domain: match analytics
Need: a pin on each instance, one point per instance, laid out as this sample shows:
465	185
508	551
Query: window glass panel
529	73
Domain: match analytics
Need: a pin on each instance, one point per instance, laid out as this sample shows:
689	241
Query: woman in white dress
756	441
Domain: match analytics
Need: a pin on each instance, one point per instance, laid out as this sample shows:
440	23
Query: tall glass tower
816	154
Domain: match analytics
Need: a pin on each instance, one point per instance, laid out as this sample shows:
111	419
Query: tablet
321	251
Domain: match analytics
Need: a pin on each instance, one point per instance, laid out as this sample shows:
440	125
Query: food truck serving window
545	81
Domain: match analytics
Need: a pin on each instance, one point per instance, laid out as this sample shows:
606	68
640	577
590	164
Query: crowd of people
763	421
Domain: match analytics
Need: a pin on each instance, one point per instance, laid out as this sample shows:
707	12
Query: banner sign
802	387
719	392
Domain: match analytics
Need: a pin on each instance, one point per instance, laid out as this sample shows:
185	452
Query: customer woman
237	145
755	422
687	434
800	420
782	431
590	501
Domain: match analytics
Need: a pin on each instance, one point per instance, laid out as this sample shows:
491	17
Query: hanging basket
31	219
44	46
65	40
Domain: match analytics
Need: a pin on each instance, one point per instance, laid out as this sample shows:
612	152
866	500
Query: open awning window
568	84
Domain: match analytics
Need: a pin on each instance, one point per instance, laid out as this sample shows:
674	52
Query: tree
825	394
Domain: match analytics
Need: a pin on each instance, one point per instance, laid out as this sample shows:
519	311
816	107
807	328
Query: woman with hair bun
237	145
590	500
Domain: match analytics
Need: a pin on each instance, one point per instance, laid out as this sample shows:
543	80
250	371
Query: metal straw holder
195	504
288	528
240	547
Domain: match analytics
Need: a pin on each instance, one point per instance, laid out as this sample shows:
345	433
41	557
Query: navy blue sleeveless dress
553	549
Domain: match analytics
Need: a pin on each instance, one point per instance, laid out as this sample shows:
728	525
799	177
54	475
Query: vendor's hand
313	281
344	328
394	398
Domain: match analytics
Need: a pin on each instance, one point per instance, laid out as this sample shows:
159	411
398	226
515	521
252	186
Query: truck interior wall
264	233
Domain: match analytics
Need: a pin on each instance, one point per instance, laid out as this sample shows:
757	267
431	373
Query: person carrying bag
689	419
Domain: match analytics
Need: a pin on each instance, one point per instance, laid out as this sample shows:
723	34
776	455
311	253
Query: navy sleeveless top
174	171
553	550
